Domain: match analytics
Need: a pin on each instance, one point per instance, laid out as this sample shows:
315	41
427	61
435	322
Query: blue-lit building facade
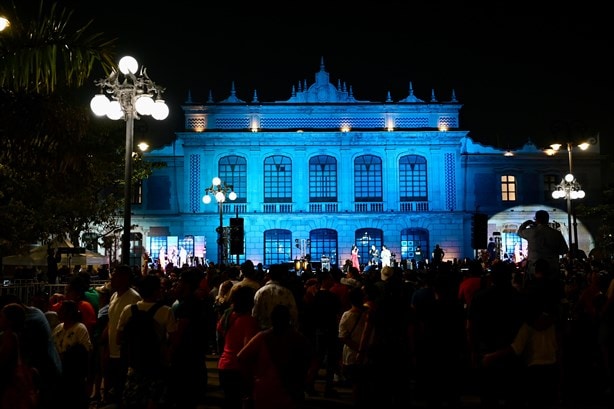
321	171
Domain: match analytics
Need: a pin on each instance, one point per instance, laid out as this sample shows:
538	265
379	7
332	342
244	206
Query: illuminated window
277	179
508	188
368	179
364	239
322	179
323	244
415	244
412	178
233	171
277	246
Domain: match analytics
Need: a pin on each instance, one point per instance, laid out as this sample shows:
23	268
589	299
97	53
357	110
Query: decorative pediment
322	91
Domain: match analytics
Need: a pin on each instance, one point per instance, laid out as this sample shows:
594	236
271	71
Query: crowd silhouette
481	326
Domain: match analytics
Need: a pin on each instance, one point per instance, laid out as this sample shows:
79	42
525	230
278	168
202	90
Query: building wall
322	119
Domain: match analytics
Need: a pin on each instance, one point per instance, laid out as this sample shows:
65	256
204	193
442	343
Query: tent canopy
38	256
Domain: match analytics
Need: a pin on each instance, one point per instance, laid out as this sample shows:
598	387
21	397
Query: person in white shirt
123	295
385	256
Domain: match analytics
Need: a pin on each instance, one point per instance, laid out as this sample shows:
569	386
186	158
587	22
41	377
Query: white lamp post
570	189
130	93
220	191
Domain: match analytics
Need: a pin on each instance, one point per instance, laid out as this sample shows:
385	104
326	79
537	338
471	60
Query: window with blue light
277	179
323	244
368	179
233	171
322	179
277	246
413	178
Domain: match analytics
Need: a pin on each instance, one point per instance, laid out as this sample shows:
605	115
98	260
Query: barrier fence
25	289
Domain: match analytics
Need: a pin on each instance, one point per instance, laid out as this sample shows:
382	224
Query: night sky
520	73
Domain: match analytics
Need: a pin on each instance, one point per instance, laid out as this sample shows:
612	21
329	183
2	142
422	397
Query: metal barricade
26	289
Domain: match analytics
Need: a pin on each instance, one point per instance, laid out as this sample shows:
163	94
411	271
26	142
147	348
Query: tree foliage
61	172
44	50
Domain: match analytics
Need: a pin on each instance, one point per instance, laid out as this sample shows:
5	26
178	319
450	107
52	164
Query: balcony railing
323	207
368	207
277	208
408	207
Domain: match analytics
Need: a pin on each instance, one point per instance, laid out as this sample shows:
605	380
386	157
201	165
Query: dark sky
520	73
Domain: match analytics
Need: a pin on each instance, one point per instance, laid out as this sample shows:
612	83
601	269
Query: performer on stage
374	253
355	256
385	255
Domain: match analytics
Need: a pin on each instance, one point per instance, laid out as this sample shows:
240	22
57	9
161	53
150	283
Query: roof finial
454	96
388	98
255	99
322	63
210	99
433	99
189	100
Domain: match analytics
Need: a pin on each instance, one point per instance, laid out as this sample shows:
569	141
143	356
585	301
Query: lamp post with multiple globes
220	191
570	189
131	94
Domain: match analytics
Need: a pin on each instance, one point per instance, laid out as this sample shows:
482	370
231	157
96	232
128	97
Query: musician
374	253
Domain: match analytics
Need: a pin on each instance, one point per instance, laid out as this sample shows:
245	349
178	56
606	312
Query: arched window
323	244
277	179
415	244
412	178
277	246
322	179
368	179
232	169
364	239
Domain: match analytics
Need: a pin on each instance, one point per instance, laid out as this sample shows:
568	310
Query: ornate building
322	170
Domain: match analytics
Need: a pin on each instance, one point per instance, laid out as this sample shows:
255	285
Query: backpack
142	340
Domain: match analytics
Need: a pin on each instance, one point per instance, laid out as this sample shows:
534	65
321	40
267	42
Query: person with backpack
145	332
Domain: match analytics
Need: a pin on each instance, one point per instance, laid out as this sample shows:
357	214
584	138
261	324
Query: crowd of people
510	334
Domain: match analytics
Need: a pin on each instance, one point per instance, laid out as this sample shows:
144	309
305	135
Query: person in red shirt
75	290
237	327
471	283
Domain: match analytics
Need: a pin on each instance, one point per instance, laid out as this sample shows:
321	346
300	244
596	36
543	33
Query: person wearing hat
544	242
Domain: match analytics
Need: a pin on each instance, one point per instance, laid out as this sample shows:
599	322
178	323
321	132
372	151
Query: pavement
343	400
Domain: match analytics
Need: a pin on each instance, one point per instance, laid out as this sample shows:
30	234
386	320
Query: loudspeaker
479	231
236	235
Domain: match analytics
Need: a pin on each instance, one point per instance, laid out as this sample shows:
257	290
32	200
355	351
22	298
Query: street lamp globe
569	178
159	110
114	111
128	65
100	105
144	105
4	23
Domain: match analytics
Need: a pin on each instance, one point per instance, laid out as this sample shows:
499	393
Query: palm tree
44	51
58	175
